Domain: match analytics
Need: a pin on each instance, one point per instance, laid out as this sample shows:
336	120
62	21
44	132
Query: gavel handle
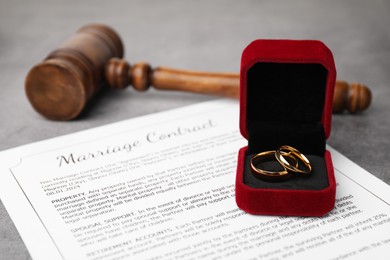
220	84
353	97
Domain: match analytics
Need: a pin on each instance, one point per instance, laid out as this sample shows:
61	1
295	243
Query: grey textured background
196	35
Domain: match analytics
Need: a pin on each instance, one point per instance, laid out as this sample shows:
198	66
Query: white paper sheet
162	187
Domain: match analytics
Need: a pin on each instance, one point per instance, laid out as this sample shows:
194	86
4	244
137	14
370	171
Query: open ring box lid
286	93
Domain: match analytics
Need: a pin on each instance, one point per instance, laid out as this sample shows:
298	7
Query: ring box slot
286	94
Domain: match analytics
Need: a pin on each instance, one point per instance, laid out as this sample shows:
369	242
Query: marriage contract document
162	187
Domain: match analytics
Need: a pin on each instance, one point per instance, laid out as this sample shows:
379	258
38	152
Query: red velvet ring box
286	92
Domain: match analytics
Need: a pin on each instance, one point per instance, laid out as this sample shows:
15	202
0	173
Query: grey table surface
196	35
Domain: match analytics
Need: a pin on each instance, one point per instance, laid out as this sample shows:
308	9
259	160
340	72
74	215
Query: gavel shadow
100	104
123	104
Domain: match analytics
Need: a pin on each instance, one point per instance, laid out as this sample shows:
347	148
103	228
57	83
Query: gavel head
61	85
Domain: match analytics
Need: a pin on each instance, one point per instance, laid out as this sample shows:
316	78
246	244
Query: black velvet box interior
285	103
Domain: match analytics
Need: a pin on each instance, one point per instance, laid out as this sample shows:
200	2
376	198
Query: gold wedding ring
288	151
267	175
289	159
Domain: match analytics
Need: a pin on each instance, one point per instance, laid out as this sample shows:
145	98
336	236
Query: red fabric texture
289	51
268	201
285	202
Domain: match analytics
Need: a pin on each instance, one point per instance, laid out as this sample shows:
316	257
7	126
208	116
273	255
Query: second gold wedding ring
284	150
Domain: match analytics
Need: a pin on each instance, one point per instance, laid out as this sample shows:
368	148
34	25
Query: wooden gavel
60	87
